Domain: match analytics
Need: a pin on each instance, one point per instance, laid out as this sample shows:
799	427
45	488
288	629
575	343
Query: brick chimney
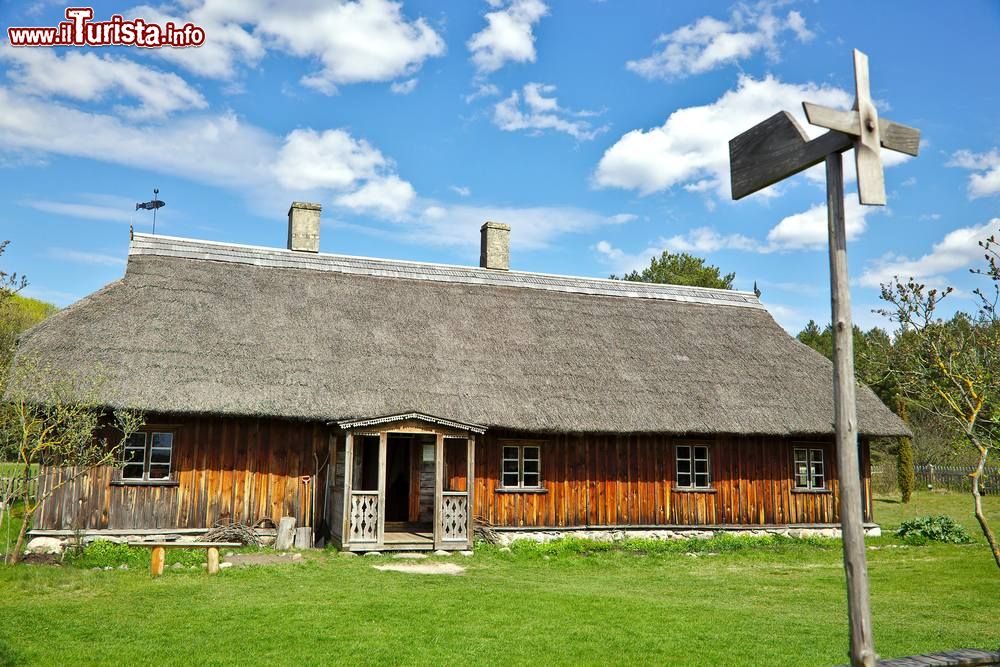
303	226
494	246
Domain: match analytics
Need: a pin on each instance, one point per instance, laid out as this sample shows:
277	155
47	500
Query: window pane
510	466
530	466
683	466
531	479
159	472
701	453
161	440
800	456
683	479
701	467
133	455
531	453
701	479
801	474
510	479
159	456
132	471
819	482
510	453
136	440
683	452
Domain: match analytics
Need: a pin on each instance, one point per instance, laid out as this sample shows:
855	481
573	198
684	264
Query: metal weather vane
772	151
153	205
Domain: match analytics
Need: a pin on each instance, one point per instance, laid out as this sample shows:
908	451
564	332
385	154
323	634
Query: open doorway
409	487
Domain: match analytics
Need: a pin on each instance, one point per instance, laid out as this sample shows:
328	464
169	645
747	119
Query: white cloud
368	40
706	240
709	43
388	196
801	231
809	228
98	259
110	213
482	90
508	35
221	150
691	148
89	77
354	42
331	159
958	250
460	190
987	181
404	87
541	113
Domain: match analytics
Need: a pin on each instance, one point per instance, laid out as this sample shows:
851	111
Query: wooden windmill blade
867	146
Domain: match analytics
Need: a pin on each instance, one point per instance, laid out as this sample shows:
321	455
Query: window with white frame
810	469
521	467
148	456
693	471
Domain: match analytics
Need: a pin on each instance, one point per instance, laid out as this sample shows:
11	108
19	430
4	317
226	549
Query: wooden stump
303	538
286	533
213	560
157	560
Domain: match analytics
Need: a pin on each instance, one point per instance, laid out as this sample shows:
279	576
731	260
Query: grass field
775	604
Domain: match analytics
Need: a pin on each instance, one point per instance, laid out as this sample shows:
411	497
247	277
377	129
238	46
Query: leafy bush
933	529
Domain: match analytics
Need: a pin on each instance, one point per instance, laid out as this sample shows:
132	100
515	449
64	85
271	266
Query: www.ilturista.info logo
79	29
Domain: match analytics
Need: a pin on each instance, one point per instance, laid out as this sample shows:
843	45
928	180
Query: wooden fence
953	478
13	484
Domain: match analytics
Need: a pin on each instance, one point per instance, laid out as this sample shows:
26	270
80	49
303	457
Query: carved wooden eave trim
351	424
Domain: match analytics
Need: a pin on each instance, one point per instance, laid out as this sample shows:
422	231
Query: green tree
905	477
681	269
950	368
17	314
51	418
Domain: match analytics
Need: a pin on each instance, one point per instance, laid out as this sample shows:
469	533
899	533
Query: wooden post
438	489
157	560
862	649
213	560
345	535
383	439
470	480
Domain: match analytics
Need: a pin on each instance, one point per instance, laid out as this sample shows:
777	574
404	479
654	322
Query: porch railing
455	516
364	516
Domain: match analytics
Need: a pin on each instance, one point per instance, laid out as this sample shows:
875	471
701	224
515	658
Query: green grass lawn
770	605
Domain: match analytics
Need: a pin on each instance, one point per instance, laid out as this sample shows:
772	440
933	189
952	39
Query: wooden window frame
810	475
147	455
692	460
520	487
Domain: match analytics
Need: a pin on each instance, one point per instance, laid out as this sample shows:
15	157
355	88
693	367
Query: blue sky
597	130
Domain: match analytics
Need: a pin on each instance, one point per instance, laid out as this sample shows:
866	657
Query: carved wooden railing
455	516
364	516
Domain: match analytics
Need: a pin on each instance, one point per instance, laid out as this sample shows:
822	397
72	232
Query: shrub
904	469
933	529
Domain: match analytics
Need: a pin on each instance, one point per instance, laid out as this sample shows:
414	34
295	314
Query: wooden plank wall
594	480
226	469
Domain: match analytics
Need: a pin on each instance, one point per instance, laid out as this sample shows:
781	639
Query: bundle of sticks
233	532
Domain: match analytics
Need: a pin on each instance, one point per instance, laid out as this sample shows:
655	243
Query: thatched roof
211	328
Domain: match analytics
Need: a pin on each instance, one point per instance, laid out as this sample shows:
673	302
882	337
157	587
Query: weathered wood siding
225	469
593	480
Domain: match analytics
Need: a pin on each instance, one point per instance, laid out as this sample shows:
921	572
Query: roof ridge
186	248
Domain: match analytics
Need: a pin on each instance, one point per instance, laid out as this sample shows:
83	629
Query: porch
405	482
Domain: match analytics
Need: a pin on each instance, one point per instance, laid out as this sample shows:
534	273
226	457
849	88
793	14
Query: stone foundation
507	536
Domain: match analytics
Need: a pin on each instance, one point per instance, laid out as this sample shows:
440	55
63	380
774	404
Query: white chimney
303	226
494	246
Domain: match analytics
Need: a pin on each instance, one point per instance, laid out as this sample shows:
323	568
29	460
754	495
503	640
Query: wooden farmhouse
392	404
